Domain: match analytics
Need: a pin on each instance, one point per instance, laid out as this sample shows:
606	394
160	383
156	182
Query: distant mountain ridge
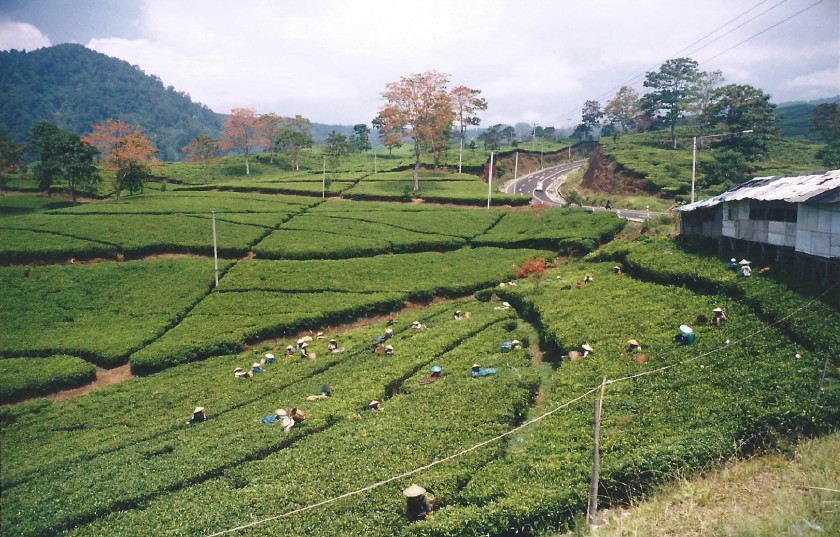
75	87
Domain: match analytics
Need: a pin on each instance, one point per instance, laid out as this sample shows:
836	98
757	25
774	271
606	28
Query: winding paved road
551	193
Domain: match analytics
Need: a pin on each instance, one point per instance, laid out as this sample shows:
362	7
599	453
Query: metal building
774	219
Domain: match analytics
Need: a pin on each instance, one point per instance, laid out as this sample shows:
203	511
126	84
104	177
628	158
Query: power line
519	427
762	31
638	77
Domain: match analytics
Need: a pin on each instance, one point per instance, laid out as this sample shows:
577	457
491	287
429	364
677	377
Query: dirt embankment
601	175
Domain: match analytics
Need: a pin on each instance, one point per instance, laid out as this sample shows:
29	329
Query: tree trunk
673	134
416	166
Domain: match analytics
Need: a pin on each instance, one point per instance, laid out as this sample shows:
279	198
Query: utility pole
215	251
490	180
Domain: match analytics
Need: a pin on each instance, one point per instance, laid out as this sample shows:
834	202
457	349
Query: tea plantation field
503	454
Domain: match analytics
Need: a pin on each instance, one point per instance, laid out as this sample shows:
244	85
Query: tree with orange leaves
126	152
419	107
243	131
465	103
204	150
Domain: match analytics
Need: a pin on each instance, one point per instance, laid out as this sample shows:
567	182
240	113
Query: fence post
592	508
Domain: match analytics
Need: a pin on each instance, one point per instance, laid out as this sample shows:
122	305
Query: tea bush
28	377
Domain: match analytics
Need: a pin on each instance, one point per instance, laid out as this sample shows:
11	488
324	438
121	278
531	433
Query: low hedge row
29	377
661	260
62	309
567	230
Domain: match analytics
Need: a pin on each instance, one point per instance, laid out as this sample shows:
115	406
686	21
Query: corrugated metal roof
816	188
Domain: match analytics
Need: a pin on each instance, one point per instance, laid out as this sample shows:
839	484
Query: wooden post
592	508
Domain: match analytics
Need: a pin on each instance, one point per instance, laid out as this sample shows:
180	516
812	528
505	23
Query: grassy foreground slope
790	492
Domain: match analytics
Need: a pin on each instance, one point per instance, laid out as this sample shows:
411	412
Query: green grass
783	489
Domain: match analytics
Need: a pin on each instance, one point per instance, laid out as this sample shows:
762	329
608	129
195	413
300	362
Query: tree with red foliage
419	107
126	152
243	131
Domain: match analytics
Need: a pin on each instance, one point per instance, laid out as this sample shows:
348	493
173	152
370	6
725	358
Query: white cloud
21	36
824	80
534	61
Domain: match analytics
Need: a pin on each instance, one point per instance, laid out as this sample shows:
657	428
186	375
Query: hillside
795	117
75	87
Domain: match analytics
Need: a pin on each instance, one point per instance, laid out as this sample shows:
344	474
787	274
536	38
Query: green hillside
75	87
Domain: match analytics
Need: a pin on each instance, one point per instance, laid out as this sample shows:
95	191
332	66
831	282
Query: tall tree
419	107
243	131
124	151
825	119
204	150
623	109
360	139
294	135
704	94
466	103
62	155
270	124
492	138
672	90
390	139
590	117
737	108
10	153
335	148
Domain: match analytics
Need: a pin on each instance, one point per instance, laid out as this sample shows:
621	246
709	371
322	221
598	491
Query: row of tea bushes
568	230
414	427
295	188
29	377
188	456
324	237
197	203
464	223
134	235
724	400
225	323
101	312
456	192
815	324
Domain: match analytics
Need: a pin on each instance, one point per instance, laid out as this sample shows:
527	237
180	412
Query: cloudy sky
536	61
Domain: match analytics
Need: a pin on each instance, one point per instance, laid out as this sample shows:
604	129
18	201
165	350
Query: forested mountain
75	87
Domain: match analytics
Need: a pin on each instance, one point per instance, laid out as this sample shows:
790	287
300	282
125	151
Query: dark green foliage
83	87
10	153
28	377
738	108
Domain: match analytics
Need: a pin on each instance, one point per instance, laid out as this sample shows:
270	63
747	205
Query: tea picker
198	416
417	505
719	316
478	371
436	373
632	346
